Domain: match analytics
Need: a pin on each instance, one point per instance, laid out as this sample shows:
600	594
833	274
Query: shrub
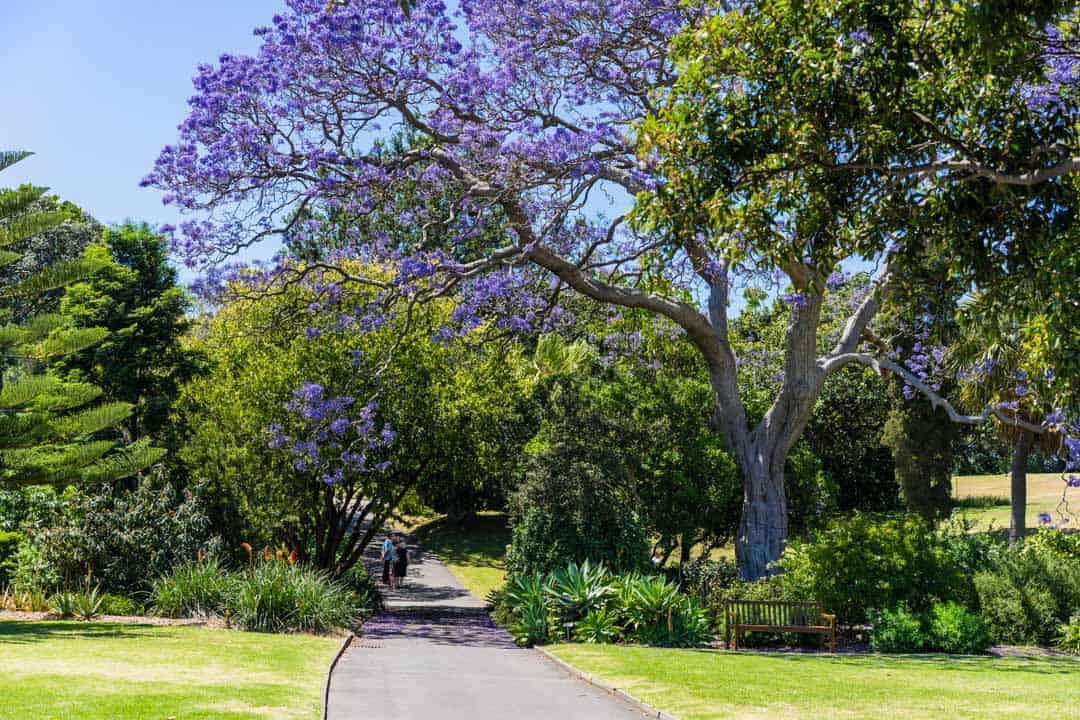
1068	638
32	506
1031	593
863	563
1064	545
896	631
365	591
955	629
578	589
276	596
63	604
120	605
88	602
601	625
194	589
532	624
9	546
127	538
543	541
33	573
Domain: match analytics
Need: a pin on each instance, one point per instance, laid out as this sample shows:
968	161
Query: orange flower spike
292	557
279	555
266	553
199	555
246	546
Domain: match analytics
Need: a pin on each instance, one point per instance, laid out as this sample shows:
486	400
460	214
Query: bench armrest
831	619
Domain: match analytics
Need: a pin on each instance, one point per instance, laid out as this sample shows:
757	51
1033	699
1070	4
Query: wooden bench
792	616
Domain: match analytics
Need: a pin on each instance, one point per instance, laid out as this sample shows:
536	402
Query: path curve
436	655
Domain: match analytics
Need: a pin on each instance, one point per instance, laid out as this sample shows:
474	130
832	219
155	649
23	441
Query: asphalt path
436	654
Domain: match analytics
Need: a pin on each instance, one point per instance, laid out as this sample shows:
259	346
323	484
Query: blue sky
96	88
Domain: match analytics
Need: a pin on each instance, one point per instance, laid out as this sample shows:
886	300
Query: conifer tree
51	430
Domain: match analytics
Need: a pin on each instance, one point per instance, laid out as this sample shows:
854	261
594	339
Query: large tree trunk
764	522
1018	482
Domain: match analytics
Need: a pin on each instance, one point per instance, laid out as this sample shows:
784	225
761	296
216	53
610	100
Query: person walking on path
387	559
401	562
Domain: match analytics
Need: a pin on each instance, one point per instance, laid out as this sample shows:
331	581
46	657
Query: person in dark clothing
387	559
401	562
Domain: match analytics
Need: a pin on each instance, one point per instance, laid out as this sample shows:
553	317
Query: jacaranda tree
780	140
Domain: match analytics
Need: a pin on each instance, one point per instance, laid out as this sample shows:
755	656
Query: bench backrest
776	613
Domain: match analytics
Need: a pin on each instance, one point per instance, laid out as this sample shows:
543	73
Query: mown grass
709	685
99	671
475	551
1043	495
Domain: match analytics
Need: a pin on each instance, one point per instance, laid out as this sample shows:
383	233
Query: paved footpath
436	655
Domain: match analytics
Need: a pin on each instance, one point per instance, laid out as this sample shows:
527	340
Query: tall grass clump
198	589
279	597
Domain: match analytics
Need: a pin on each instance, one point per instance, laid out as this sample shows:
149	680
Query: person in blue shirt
387	559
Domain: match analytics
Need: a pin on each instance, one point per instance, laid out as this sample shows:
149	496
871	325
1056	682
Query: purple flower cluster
335	437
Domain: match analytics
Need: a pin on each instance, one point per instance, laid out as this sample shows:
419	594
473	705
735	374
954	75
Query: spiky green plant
51	430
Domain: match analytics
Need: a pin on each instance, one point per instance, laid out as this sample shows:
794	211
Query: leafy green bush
365	591
33	573
955	629
33	506
194	589
896	631
856	565
543	541
9	546
1031	593
127	538
1068	638
1064	545
120	605
276	596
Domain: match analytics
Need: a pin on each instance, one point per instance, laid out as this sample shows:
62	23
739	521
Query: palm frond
9	257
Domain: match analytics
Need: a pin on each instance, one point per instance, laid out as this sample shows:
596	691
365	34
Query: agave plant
579	589
601	625
527	589
533	624
654	600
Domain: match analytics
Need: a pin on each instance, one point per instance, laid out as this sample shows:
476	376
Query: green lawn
695	685
1044	492
92	671
475	551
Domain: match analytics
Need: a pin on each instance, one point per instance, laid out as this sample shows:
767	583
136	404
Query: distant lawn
1044	492
474	551
103	671
700	685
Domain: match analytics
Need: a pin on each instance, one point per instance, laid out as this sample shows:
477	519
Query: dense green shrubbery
1029	594
955	629
863	564
9	546
601	607
194	589
270	596
896	631
1068	638
543	541
125	537
1060	543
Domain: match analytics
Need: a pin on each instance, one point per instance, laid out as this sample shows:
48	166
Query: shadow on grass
1041	665
28	631
480	541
